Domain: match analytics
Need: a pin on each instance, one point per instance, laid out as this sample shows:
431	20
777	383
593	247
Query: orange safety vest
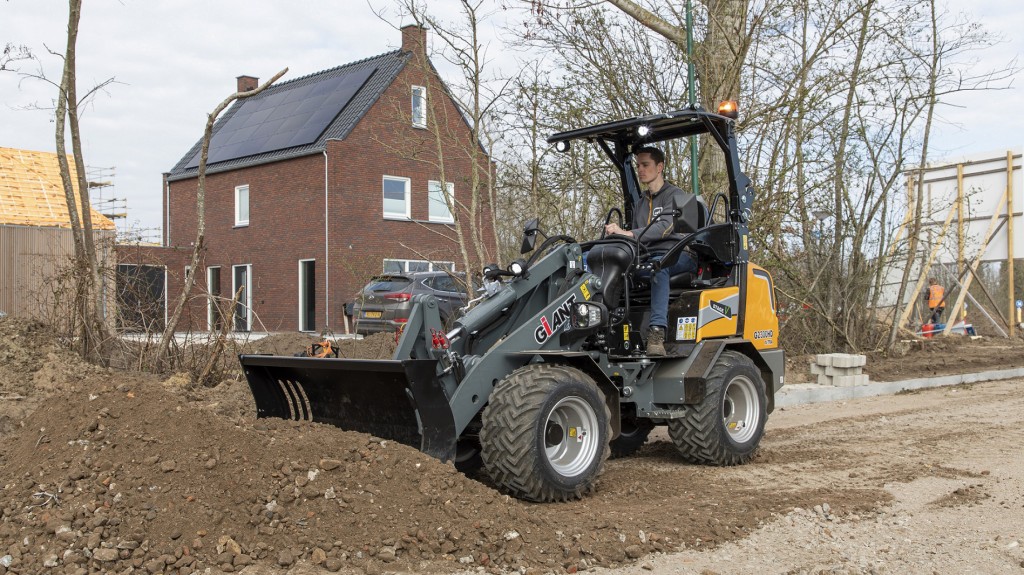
935	295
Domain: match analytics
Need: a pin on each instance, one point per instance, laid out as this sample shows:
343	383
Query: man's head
650	166
931	281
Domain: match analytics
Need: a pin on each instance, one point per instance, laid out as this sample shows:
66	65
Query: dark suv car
385	302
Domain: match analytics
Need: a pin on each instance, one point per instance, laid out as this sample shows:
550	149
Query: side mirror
530	235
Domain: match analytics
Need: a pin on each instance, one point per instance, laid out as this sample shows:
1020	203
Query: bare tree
90	328
199	248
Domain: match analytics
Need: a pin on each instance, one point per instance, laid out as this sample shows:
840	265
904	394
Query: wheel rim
571	436
740	413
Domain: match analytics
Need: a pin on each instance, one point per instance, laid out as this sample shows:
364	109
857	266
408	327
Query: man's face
647	169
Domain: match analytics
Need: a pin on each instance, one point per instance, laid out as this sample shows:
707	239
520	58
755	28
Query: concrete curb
802	393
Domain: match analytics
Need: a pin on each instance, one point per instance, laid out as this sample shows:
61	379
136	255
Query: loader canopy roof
649	129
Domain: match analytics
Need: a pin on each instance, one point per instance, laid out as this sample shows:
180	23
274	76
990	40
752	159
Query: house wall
287	210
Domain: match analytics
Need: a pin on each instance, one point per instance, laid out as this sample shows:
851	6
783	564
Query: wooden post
1009	236
959	220
955	310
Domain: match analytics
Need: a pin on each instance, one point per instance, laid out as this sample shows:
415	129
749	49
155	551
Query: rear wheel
545	433
725	428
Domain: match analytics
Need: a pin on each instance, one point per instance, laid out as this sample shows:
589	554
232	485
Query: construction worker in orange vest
936	296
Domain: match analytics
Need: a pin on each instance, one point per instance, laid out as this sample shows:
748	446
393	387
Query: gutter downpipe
327	244
167	212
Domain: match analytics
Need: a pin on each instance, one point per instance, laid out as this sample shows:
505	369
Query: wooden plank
974	264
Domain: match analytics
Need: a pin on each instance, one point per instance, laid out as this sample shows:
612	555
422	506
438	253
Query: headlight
587	315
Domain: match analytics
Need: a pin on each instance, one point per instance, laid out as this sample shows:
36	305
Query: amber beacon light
729	109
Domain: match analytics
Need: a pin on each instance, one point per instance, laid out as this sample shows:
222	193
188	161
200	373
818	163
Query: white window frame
246	295
431	266
408	199
419	120
210	299
302	296
239	222
434	188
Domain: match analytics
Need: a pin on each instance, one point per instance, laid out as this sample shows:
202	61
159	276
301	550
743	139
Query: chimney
414	39
246	83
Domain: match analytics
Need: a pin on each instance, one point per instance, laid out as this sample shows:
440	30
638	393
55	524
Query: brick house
318	183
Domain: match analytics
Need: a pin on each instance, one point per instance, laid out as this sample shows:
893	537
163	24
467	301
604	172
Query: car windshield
388	283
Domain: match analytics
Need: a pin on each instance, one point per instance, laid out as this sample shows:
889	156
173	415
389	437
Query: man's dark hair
657	155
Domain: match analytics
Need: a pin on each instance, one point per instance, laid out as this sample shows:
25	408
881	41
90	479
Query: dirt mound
33	364
130	475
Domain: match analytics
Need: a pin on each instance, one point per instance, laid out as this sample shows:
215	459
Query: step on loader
546	374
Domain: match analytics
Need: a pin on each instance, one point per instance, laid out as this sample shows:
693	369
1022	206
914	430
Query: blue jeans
660	288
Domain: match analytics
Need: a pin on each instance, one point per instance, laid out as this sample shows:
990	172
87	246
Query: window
444	283
419	107
396	198
214	313
242	205
409	266
240	278
439	202
307	295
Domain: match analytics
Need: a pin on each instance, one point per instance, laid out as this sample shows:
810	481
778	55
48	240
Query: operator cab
719	249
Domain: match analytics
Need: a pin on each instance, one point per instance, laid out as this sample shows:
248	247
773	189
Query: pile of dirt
125	473
376	346
131	475
33	364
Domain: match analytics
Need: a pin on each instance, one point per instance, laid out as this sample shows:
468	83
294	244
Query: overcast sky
174	60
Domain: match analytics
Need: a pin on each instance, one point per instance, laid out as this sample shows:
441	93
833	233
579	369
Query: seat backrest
694	215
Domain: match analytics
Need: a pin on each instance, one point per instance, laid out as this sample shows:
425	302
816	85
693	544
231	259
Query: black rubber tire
632	436
718	430
527	424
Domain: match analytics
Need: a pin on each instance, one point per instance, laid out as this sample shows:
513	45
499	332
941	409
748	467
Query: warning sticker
686	328
586	292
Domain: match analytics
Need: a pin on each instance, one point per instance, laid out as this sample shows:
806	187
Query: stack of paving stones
839	369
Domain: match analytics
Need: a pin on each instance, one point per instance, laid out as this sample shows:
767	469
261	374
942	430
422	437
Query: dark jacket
662	235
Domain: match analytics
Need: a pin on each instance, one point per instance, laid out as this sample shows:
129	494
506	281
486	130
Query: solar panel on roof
283	119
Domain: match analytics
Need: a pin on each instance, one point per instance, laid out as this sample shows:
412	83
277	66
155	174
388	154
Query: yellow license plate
372	314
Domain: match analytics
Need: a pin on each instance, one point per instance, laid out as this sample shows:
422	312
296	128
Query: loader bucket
399	400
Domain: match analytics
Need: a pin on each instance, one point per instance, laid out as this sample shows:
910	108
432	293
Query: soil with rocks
107	471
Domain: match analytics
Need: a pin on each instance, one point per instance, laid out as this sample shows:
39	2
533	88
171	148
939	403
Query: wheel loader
546	374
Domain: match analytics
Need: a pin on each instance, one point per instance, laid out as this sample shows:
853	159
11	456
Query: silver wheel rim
571	436
740	413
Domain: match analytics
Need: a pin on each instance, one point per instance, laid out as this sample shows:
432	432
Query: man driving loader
660	197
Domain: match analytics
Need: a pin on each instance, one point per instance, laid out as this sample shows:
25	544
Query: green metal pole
694	181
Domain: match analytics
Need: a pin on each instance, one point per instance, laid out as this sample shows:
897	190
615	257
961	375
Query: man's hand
614	229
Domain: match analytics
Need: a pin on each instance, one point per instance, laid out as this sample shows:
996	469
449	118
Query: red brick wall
286	204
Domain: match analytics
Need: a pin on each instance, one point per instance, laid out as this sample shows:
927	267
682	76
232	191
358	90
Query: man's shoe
656	341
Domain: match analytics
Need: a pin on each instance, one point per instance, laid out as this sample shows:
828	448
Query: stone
105	555
823	359
850	380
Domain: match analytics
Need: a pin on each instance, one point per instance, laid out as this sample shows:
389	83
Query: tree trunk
200	244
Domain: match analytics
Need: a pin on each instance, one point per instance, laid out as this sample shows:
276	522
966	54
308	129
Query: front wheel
725	428
545	433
